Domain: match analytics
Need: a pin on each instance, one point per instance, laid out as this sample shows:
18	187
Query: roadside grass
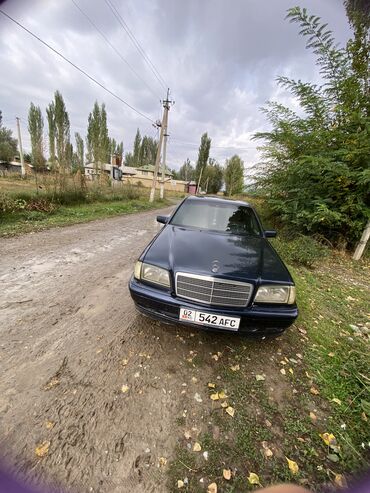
324	356
31	221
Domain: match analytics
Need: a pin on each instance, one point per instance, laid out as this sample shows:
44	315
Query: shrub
41	205
302	250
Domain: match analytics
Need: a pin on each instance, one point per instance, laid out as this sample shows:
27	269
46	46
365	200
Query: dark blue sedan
212	266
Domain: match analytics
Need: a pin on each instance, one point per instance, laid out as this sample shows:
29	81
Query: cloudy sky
219	57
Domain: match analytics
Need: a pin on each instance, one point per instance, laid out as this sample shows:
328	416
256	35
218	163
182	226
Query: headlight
275	294
152	273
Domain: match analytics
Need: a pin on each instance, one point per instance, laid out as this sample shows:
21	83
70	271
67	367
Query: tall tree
50	112
8	145
203	154
137	148
62	130
36	130
80	159
315	168
187	171
234	175
98	143
212	177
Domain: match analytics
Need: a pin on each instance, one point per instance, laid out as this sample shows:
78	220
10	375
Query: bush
9	204
302	250
41	205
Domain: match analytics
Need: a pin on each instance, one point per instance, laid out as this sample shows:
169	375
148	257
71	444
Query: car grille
213	290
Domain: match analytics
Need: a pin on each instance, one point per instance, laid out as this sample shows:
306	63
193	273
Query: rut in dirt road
71	339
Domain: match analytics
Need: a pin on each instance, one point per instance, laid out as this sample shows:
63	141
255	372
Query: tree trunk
362	243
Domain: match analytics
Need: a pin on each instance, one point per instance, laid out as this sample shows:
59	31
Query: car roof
215	200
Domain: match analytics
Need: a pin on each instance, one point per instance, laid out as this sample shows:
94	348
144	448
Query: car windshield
221	217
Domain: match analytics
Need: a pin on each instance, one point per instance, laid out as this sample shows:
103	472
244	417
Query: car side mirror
162	219
271	233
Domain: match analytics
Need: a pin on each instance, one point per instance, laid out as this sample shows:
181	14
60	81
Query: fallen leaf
211	385
212	488
340	481
230	411
266	450
235	368
330	440
226	474
363	416
197	397
125	388
53	382
314	391
282	371
194	379
205	455
291	370
215	357
214	397
42	449
300	439
260	378
313	416
224	404
337	401
124	362
180	483
333	457
49	425
331	355
293	466
268	423
253	478
197	447
162	461
187	435
222	395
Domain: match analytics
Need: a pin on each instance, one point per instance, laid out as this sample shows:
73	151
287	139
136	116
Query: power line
113	47
76	67
136	43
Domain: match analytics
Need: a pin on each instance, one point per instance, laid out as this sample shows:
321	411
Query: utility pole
164	126
165	135
200	177
23	169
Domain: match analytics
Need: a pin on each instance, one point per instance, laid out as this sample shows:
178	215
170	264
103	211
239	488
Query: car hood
243	258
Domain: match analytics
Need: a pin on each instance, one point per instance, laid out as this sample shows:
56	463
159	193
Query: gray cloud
219	57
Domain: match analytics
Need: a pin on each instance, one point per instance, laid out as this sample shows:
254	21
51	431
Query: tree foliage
186	171
36	130
234	175
59	132
8	145
80	151
315	168
203	154
98	143
212	177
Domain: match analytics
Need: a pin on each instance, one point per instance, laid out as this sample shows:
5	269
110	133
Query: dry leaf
49	425
187	435
313	416
314	391
205	455
224	404
212	488
291	370
230	411
42	449
293	466
337	401
214	397
331	355
266	450
53	382
211	385
124	362
194	379
282	371
197	447
340	481
180	483
222	395
226	474
253	478
197	397
260	378
162	461
235	368
330	440
215	357
125	388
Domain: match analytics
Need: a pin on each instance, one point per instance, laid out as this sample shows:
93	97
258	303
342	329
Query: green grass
333	358
26	221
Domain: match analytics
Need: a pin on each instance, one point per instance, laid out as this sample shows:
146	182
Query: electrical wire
194	144
136	43
77	67
113	47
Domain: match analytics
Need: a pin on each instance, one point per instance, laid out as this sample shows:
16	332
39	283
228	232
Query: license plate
204	318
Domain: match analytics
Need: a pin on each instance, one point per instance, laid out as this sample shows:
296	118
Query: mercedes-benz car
212	266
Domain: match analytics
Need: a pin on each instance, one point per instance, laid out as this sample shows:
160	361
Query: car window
225	218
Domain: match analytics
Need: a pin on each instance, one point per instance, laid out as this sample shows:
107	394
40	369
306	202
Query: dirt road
70	339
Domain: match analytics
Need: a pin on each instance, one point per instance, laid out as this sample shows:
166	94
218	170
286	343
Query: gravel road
70	340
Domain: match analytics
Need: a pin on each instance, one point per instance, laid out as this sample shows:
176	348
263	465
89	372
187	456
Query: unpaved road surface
70	339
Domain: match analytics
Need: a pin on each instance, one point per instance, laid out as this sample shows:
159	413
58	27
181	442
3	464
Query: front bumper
161	305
